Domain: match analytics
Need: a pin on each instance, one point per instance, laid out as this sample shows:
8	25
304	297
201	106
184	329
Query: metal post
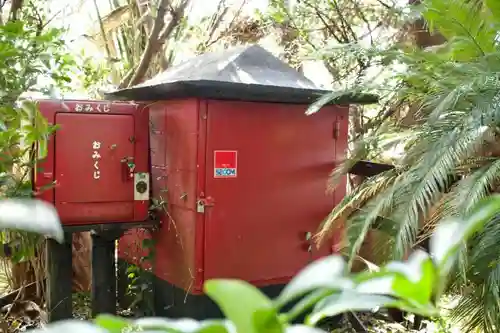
60	278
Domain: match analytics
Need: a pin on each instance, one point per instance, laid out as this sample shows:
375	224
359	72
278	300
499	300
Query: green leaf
348	301
303	329
322	101
113	324
74	326
278	16
494	7
415	279
245	305
449	235
305	304
30	108
168	325
148	243
216	326
31	215
42	149
323	273
380	282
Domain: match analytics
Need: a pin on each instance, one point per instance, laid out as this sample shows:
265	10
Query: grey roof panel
244	73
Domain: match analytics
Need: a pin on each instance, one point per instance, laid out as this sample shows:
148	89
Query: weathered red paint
255	221
78	197
255	224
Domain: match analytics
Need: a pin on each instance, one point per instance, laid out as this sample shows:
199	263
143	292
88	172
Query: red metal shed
242	171
95	171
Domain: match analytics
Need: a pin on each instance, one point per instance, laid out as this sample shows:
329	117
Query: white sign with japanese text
96	156
99	108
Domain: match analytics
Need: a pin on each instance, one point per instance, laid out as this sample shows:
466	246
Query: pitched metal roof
248	73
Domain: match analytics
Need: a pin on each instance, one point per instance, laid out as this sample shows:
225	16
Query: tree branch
151	47
331	31
177	15
172	28
15	7
217	20
346	27
103	32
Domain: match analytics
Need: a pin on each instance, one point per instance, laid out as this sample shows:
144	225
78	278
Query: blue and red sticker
225	163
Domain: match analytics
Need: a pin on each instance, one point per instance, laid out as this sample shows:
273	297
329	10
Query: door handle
128	168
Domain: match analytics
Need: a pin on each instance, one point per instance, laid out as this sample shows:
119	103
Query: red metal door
267	169
94	153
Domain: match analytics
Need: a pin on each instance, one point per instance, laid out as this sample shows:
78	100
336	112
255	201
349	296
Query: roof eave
231	91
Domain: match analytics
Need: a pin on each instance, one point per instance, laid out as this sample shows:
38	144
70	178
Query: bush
325	288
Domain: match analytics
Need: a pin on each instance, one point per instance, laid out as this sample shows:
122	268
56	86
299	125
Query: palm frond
359	152
442	209
481	307
450	160
464	21
361	221
425	182
469	313
473	163
476	186
353	201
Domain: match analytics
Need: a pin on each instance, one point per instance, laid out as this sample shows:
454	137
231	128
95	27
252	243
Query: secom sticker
225	163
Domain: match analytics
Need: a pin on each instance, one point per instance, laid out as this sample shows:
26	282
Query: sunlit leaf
113	324
306	303
73	326
348	301
494	7
216	326
168	325
254	313
31	215
416	279
326	272
303	329
381	282
449	235
322	101
30	108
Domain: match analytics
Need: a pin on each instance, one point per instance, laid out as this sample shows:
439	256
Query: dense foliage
324	288
450	161
444	117
33	59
